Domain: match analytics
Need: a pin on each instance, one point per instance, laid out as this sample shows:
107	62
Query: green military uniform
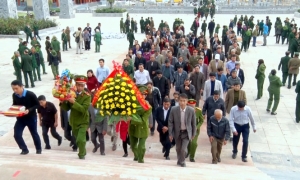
129	70
97	39
203	27
36	31
193	62
130	38
260	76
22	48
36	66
235	19
195	11
34	43
121	26
217	29
251	24
127	24
245	36
79	117
132	25
38	50
48	45
297	112
152	23
161	25
289	30
55	44
284	68
17	67
142	25
192	147
138	132
269	24
26	66
54	65
293	65
274	92
28	33
64	39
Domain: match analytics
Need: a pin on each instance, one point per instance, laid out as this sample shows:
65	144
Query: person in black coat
188	89
152	66
174	102
162	127
162	84
240	72
211	27
207	53
139	60
182	64
145	46
64	119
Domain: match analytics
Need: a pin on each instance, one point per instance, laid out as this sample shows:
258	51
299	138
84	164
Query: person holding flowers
79	115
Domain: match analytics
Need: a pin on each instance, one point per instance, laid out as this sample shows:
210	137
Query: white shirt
237	71
240	117
201	68
165	113
141	77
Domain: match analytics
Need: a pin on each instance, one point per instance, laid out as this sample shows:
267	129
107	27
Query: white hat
217	56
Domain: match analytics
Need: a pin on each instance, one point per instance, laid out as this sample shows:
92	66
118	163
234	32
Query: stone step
112	166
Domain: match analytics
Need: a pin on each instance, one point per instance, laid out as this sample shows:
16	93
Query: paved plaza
274	148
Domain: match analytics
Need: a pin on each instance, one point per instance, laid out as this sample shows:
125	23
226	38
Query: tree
111	3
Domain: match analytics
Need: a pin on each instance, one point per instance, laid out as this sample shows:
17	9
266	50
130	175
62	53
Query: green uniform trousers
65	45
19	75
204	31
138	146
97	47
260	86
284	77
244	45
36	73
130	44
276	97
43	66
28	36
26	74
127	29
80	136
297	112
54	70
192	147
290	80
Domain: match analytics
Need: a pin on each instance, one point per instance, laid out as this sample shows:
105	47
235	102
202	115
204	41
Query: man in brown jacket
233	96
293	65
197	79
215	64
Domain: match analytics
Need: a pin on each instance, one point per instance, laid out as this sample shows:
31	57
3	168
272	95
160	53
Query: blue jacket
223	80
266	29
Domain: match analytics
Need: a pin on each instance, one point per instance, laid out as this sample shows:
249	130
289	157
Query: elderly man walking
218	131
239	124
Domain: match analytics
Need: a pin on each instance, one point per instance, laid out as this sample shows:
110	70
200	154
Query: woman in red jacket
122	127
191	48
92	82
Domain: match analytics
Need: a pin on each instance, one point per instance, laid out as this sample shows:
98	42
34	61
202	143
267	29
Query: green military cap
296	53
20	39
81	79
143	89
191	101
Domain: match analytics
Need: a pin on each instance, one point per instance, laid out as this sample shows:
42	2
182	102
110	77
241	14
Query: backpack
77	39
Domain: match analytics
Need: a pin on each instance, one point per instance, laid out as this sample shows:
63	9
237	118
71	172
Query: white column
8	9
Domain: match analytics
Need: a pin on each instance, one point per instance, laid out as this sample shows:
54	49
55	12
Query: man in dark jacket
212	103
211	27
218	131
162	84
152	66
240	72
284	66
154	98
139	59
188	89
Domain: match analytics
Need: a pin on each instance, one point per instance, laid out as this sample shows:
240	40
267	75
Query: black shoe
289	87
297	121
244	160
294	84
214	162
24	152
39	151
152	133
40	79
273	113
219	159
178	164
268	110
83	158
102	154
71	144
96	148
26	86
59	141
135	159
112	139
167	158
33	86
163	150
283	84
263	45
125	155
187	155
192	160
233	156
47	147
183	165
74	150
257	99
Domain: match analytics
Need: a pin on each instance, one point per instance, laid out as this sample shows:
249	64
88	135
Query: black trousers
68	135
277	38
153	114
100	136
124	144
165	142
294	80
36	35
87	45
45	129
244	130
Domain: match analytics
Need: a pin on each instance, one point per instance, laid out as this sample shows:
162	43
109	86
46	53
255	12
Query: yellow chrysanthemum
134	111
123	106
128	109
127	90
107	106
117	87
101	112
117	93
123	113
121	100
116	113
128	103
116	98
127	98
125	78
106	101
129	85
102	92
123	84
111	100
129	113
118	105
119	75
117	80
123	89
104	85
133	98
132	92
110	79
110	94
111	88
112	83
100	98
123	94
133	105
105	96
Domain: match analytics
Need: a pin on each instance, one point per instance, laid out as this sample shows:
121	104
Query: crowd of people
198	67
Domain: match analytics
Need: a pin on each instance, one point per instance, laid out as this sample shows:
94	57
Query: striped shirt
240	117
